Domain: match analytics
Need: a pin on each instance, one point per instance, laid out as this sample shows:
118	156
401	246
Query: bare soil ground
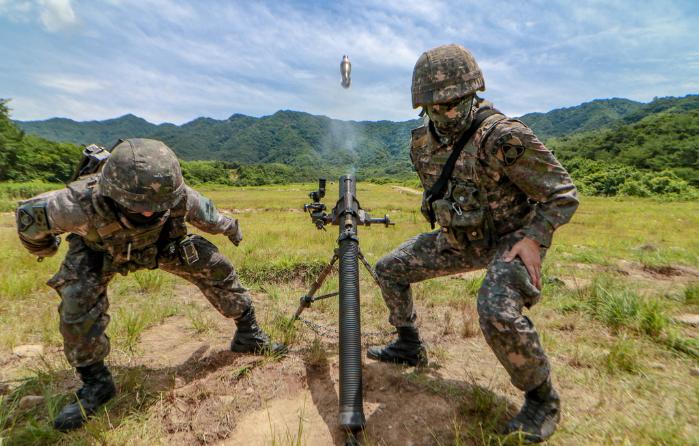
209	395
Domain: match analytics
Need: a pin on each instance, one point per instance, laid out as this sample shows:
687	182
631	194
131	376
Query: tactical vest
463	214
127	247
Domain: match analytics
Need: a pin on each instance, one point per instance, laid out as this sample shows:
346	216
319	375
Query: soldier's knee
484	303
386	268
496	317
382	267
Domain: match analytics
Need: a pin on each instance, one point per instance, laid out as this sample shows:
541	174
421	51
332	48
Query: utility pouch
468	216
188	252
443	212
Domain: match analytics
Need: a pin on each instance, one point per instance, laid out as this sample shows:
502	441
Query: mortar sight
318	195
347	211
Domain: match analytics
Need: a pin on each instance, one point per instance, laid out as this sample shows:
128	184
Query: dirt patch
407	190
211	395
662	270
170	344
679	274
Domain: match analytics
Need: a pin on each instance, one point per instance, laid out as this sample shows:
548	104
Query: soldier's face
451	117
449	112
147	214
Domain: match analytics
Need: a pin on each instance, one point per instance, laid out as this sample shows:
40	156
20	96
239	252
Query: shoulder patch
509	148
32	218
511	154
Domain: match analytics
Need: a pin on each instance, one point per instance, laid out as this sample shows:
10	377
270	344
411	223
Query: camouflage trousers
82	283
506	290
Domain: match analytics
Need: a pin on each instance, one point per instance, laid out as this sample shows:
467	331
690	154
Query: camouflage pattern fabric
143	175
506	290
444	74
527	194
82	284
103	242
525	185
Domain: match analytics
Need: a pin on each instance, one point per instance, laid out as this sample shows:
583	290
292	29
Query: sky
173	61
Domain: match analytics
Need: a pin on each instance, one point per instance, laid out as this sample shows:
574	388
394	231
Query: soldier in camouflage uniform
505	197
130	216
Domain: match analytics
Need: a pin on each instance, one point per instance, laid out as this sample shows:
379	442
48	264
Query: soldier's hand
237	236
529	252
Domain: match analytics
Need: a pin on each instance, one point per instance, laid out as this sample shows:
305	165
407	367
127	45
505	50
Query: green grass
691	294
11	193
624	356
619	306
606	332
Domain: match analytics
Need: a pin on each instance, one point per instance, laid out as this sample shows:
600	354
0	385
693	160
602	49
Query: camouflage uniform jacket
525	186
80	210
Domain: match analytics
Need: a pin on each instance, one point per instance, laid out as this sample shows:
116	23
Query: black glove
235	235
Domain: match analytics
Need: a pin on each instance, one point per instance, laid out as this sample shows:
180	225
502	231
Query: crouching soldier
130	216
497	194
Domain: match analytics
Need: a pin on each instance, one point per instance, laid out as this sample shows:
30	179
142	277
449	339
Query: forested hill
602	113
662	141
662	135
287	137
290	137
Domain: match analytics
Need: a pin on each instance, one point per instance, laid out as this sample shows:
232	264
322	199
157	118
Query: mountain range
606	129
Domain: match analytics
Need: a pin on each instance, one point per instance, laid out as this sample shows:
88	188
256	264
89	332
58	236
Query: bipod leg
368	267
307	299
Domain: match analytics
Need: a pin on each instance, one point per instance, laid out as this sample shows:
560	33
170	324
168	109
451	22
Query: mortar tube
351	415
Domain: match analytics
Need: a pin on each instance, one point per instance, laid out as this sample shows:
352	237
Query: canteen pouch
443	212
467	214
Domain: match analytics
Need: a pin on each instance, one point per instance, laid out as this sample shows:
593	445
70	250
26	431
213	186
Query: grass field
618	279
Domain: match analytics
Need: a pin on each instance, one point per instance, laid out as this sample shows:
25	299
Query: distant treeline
647	151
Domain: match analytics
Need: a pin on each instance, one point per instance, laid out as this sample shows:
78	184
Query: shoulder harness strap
439	188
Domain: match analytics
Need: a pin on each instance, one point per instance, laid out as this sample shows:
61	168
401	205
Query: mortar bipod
310	297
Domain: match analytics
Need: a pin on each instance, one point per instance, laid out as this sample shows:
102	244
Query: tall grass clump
624	356
623	309
691	294
616	308
149	281
284	269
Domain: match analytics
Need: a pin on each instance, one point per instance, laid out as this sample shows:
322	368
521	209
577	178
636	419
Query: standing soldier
130	216
497	194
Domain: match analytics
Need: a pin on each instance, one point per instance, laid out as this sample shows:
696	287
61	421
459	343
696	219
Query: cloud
57	15
71	84
175	60
54	15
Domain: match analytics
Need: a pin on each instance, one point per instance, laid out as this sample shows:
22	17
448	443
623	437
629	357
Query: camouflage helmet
444	74
142	175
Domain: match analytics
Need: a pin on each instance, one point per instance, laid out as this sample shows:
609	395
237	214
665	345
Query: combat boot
249	337
408	349
539	415
98	388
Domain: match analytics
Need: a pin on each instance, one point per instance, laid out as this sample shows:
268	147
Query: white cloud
57	15
175	60
71	84
54	15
